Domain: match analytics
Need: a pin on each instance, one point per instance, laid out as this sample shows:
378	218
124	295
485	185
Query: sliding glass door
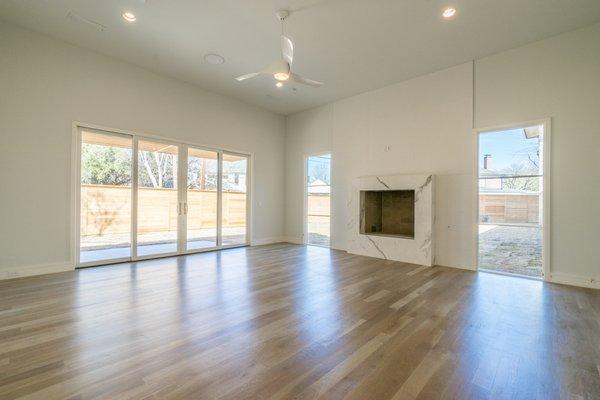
158	205
202	199
142	198
234	212
105	194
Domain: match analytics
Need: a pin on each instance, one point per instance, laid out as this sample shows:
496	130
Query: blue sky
319	167
506	147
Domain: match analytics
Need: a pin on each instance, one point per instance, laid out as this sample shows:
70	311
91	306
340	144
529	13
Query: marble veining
377	247
382	182
423	186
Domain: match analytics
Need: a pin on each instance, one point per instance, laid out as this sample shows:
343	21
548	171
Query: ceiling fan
281	69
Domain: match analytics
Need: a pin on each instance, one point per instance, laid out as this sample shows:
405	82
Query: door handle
178	208
185	208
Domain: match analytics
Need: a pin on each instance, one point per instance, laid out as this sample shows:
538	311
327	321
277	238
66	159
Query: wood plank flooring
294	322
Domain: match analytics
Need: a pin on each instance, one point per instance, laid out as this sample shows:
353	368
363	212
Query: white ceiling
351	45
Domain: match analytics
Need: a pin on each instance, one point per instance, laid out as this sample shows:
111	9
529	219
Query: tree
520	178
157	169
523	175
202	173
104	165
318	169
110	165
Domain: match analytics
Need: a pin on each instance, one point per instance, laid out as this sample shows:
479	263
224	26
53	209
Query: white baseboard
463	267
31	270
293	239
269	240
574	280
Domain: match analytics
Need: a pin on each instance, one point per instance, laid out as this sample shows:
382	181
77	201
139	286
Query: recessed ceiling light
128	16
279	84
449	12
281	76
214	59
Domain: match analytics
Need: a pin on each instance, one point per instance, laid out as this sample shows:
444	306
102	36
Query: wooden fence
107	209
509	208
319	204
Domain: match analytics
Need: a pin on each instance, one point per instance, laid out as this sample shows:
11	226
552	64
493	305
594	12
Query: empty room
300	199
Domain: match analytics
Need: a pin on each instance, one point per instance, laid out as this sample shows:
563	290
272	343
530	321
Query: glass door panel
105	197
202	198
234	199
158	205
318	201
511	201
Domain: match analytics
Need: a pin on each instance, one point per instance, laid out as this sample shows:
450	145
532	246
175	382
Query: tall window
511	200
318	201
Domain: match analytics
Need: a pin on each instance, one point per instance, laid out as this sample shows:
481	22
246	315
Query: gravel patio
511	249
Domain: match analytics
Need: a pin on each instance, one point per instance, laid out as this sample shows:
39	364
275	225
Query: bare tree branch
146	162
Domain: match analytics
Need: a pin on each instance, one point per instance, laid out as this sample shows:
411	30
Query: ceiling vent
84	21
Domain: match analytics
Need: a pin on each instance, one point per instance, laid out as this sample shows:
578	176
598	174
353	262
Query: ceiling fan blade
305	81
247	76
287	49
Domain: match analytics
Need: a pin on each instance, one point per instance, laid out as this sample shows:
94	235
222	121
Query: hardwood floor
294	322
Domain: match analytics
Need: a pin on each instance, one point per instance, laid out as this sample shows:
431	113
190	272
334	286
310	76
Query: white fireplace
392	217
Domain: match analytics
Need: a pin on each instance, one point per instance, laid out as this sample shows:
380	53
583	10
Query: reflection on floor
110	239
295	322
114	253
511	249
107	254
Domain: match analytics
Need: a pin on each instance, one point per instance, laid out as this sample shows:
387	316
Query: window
318	200
511	200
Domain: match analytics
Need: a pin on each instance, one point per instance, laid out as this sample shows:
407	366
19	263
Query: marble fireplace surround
419	250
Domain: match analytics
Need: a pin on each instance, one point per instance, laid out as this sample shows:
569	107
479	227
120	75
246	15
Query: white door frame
305	195
547	160
76	194
135	188
182	146
248	196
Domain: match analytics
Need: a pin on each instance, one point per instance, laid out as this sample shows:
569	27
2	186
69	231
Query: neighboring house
319	187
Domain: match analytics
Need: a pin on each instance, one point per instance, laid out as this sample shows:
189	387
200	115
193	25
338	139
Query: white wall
423	120
559	78
428	122
47	84
307	133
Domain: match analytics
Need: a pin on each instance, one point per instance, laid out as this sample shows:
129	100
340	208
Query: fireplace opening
387	213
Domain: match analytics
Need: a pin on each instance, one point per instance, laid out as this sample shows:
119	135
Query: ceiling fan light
281	76
128	16
449	12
